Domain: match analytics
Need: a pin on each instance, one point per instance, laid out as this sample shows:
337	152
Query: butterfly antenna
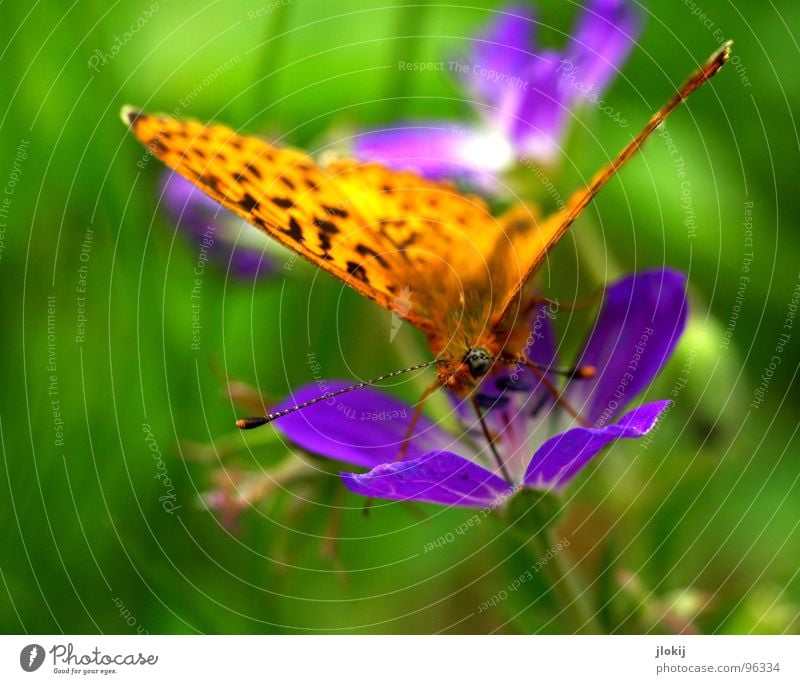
577	203
585	372
258	421
580	199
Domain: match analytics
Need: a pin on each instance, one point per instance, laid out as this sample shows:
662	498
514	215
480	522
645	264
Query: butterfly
386	233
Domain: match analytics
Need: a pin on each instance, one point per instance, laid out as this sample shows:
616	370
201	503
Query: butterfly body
465	361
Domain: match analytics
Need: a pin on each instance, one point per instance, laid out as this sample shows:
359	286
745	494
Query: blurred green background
704	517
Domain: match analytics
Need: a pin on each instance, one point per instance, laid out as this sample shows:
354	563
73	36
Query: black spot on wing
282	202
363	250
327	230
211	181
157	146
335	211
325	242
248	202
294	230
357	271
326	226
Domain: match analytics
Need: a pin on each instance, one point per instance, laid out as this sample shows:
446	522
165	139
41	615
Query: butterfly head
462	371
478	362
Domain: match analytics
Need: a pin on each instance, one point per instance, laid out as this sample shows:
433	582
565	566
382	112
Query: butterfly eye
478	361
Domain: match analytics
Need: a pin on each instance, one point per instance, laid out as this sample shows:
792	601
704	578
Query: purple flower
523	96
438	149
221	235
541	445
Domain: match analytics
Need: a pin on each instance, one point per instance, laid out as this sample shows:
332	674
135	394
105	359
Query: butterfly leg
414	420
490	439
556	393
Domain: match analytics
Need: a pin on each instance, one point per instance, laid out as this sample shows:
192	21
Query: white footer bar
399	659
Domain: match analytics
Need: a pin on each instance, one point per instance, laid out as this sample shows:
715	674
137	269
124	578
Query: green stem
567	584
591	243
232	443
404	47
270	58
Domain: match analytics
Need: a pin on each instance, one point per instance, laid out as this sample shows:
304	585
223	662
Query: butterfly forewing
391	235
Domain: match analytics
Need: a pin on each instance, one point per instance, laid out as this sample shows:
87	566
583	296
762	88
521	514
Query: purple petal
505	45
560	458
439	477
543	339
208	223
189	206
247	264
437	149
543	110
605	33
640	322
364	427
499	59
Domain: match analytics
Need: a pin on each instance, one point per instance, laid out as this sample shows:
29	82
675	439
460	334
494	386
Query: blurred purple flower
523	96
542	447
221	235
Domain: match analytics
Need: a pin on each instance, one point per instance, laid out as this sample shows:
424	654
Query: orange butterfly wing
380	231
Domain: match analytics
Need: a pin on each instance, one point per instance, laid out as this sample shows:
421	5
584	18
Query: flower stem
566	582
232	443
